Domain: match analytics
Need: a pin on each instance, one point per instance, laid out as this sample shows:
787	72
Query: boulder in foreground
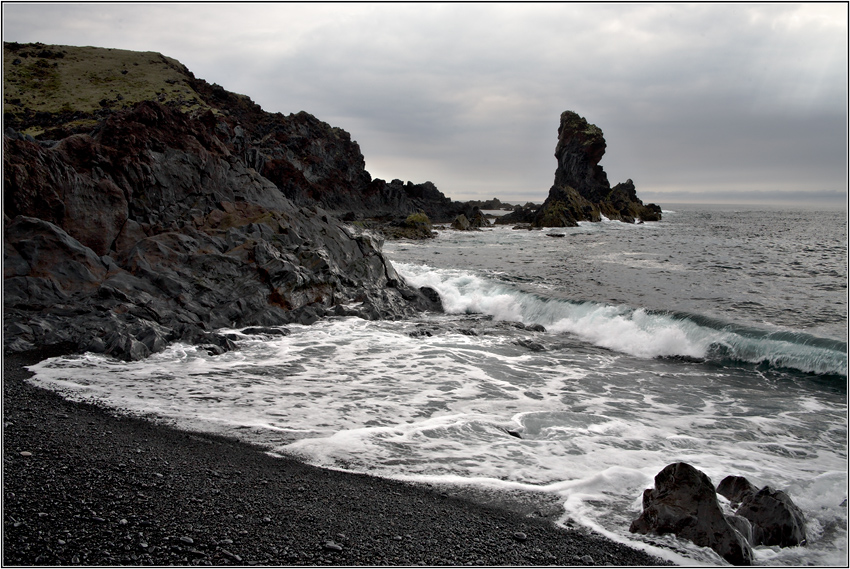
684	503
774	517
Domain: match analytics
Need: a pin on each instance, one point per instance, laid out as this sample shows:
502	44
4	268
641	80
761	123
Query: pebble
331	546
231	555
26	453
267	520
587	559
520	536
187	540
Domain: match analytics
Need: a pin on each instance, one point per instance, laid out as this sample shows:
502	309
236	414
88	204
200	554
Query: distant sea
717	337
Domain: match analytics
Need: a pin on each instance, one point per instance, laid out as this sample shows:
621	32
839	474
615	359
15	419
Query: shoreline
84	486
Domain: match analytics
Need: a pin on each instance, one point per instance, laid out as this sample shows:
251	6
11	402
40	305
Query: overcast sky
698	102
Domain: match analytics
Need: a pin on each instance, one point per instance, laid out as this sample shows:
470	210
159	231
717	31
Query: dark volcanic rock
684	503
153	230
473	219
736	489
581	191
461	223
414	226
772	515
776	520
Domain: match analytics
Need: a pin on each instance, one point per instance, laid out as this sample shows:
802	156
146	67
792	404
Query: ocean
571	365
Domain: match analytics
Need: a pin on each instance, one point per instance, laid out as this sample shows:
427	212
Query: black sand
84	486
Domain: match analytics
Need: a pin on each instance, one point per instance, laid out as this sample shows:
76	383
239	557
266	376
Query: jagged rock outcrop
475	219
581	191
317	165
53	92
684	503
152	228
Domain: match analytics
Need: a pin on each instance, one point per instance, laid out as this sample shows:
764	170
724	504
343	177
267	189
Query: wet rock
776	520
430	299
743	526
736	489
684	503
771	515
531	345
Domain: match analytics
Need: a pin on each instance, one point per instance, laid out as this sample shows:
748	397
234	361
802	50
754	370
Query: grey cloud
469	95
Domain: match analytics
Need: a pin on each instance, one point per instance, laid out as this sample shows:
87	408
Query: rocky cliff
143	223
581	191
51	92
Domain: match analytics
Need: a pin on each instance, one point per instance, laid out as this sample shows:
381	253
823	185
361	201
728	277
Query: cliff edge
146	222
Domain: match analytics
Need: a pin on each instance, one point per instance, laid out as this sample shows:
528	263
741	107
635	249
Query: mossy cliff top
66	87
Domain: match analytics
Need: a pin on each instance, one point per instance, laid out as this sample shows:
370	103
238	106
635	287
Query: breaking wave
635	331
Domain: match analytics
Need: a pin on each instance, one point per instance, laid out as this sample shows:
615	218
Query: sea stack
581	191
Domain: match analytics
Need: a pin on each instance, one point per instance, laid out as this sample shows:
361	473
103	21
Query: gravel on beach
82	485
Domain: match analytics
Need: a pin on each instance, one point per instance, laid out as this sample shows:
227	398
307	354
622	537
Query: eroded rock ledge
153	229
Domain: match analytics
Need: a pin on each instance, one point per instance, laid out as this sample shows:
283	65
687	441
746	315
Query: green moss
417	219
81	78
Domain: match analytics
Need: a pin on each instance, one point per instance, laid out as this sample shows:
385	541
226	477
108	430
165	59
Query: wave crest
635	331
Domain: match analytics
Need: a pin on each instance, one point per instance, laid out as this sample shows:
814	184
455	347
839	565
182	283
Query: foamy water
596	426
603	399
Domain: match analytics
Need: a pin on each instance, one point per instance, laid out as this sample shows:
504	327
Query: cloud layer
720	101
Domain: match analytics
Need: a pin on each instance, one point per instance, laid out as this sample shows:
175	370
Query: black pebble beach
84	486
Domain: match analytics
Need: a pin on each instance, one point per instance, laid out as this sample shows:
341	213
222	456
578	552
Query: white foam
624	329
595	426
